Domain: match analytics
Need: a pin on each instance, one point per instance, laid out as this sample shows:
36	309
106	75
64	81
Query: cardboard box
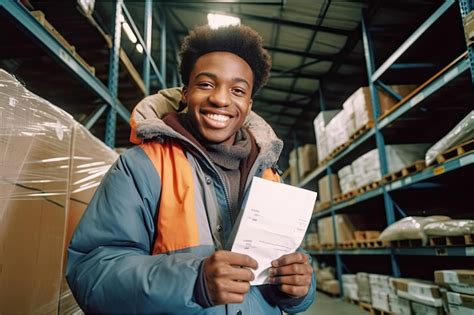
350	291
344	228
460	304
423	309
324	188
332	287
307	161
394	304
380	300
461	281
362	104
350	279
46	188
320	123
405	306
419	291
363	287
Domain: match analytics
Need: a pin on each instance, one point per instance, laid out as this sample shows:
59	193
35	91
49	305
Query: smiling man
152	239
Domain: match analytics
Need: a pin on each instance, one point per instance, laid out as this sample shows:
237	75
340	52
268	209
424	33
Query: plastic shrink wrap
463	131
450	228
50	166
410	228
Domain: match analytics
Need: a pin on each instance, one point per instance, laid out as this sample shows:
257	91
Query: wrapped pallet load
320	123
410	228
462	132
350	287
50	167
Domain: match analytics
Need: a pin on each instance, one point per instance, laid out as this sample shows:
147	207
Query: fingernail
271	271
275	263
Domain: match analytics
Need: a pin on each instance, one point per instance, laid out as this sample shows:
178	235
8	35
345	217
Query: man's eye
239	91
205	85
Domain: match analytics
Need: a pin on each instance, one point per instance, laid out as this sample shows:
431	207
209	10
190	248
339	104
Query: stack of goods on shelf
451	232
410	228
346	179
350	287
361	105
418	297
302	160
312	241
320	123
51	166
366	168
363	287
461	134
459	290
382	293
327	186
326	281
344	229
335	128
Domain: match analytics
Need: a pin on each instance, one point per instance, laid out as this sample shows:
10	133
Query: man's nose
220	97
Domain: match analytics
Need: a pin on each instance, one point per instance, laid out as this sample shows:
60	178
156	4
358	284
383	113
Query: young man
153	237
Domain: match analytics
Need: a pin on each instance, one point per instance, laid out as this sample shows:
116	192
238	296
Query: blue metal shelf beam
409	251
36	31
394	57
142	42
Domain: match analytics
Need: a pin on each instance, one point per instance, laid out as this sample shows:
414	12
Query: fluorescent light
139	48
129	32
218	20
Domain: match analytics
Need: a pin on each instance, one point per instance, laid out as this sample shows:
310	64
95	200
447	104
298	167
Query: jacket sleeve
110	268
288	304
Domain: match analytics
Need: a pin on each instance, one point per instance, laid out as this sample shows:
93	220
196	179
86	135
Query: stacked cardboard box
423	297
320	123
324	188
346	179
380	292
312	240
361	103
302	160
344	228
366	168
50	168
460	283
350	287
363	287
339	129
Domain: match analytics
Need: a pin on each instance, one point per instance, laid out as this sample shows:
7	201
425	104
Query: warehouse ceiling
315	45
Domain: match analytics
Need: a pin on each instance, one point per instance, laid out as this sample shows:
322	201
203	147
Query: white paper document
272	223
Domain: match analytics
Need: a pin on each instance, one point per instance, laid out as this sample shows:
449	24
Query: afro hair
240	40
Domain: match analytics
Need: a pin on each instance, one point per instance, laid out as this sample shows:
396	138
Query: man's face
219	95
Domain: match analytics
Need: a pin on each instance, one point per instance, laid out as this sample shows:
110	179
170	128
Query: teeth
218	117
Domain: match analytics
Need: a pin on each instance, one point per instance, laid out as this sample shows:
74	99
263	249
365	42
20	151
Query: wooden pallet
458	150
39	15
406	243
373	311
363	244
359	132
406	171
328	246
346	196
351	301
368	187
323	206
461	240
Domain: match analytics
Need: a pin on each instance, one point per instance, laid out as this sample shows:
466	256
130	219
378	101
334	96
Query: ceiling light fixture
219	20
129	32
139	47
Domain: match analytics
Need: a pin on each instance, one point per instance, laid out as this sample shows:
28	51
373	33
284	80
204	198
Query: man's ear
250	106
184	93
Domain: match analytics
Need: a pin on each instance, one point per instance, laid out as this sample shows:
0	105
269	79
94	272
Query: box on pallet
344	228
460	304
59	165
324	188
332	287
363	287
461	281
361	103
419	291
307	158
423	309
404	306
339	129
320	123
350	291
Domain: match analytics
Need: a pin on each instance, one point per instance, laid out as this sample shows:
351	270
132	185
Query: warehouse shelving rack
37	32
462	66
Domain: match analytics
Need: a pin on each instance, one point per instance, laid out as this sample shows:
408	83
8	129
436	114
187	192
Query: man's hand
228	276
292	273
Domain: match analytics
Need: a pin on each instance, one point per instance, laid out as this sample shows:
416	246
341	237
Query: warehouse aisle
326	305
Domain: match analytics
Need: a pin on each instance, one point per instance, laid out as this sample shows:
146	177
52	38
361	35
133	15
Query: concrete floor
325	305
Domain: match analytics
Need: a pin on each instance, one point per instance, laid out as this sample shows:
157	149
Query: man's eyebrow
214	76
